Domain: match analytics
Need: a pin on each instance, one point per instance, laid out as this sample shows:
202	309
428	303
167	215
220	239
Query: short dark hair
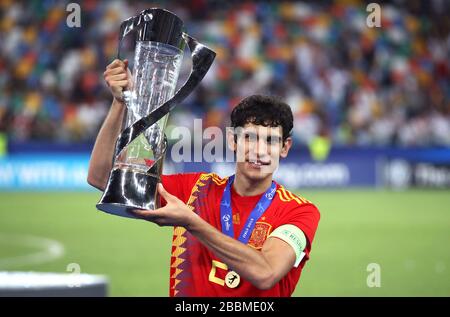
268	111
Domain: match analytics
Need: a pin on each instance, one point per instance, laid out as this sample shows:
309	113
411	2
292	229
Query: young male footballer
243	235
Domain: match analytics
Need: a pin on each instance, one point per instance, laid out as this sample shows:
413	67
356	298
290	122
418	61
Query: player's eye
250	136
273	140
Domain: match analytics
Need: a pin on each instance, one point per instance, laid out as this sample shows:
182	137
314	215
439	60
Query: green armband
294	237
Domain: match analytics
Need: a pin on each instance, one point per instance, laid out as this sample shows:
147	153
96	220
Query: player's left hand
174	213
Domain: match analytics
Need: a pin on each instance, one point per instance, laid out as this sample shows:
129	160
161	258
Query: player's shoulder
181	176
287	196
218	180
291	200
196	177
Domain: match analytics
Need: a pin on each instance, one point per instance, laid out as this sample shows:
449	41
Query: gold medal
232	279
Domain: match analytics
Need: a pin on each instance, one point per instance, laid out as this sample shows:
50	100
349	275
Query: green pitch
405	233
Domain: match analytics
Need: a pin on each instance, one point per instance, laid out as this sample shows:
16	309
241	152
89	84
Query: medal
232	279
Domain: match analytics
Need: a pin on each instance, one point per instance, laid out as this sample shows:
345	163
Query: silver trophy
141	146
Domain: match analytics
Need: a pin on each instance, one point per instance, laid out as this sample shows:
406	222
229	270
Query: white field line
47	250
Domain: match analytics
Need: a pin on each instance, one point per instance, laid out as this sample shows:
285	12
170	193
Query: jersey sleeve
179	185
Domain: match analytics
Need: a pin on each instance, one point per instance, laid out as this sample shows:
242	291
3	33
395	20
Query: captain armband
294	237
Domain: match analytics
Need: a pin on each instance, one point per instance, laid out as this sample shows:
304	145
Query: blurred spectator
343	80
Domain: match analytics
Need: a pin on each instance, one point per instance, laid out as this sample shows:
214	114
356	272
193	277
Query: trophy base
117	209
128	190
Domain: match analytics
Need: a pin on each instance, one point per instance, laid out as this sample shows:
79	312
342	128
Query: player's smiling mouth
257	163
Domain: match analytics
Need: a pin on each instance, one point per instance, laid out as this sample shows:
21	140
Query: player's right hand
118	77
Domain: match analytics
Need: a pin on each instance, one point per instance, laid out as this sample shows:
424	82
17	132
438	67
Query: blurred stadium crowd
353	84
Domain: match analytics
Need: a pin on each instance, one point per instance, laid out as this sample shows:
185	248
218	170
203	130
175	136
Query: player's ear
231	139
287	144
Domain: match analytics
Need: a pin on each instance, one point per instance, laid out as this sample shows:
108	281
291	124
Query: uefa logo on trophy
141	146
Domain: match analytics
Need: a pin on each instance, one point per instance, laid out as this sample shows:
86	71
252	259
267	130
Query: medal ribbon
226	214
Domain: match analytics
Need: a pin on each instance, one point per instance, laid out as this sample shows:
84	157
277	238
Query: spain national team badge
232	279
259	234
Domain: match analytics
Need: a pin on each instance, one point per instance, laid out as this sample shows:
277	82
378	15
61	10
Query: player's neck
246	187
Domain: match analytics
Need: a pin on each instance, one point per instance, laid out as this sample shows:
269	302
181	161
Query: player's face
258	150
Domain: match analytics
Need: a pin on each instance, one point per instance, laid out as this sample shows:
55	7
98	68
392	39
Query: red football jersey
196	271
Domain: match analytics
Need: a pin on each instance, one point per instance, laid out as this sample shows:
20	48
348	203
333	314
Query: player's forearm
100	163
249	263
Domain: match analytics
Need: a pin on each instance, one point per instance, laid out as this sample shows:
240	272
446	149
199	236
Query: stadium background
372	136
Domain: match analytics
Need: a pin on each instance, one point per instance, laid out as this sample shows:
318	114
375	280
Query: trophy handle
202	59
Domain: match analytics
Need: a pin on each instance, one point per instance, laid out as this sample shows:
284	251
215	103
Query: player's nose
262	150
